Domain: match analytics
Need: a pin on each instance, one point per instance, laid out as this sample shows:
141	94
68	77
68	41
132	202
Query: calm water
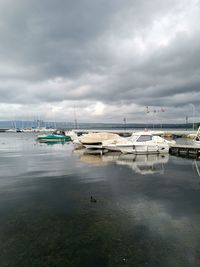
147	209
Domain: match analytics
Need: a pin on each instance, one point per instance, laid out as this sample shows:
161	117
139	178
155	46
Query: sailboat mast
75	119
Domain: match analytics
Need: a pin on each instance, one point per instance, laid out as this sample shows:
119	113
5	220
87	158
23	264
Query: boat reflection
52	142
95	157
142	164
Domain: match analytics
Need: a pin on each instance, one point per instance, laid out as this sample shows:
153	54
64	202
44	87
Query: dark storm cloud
53	34
115	52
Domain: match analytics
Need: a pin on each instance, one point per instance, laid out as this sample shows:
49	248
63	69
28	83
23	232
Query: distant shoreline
5	125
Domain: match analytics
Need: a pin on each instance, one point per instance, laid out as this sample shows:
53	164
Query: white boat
95	140
139	143
196	140
11	131
72	134
14	130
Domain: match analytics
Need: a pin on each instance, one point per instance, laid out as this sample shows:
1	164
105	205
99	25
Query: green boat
53	138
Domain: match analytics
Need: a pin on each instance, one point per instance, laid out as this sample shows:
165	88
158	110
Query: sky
100	60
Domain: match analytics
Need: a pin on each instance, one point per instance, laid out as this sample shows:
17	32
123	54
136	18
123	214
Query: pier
185	150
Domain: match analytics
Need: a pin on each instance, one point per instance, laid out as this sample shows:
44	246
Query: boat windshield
144	138
140	138
133	138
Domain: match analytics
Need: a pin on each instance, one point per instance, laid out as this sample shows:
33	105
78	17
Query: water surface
146	213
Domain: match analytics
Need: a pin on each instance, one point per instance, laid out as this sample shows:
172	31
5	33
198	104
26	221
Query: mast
75	119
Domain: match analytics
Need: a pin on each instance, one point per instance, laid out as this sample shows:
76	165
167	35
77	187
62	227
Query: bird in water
92	199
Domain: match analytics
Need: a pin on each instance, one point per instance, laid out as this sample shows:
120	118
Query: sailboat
14	129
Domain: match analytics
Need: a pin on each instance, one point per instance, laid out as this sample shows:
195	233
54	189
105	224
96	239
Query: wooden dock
185	150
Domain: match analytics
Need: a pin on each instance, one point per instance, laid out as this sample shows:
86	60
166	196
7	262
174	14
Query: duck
92	199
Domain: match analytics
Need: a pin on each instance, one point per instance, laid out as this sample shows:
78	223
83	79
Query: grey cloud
76	41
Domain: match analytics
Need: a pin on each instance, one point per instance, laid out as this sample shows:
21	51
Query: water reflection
52	142
142	164
47	218
197	166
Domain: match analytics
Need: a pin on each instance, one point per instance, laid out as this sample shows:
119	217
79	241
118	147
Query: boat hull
53	138
196	142
92	146
139	149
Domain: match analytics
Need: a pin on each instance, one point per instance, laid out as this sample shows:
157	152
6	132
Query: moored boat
58	136
95	140
139	143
